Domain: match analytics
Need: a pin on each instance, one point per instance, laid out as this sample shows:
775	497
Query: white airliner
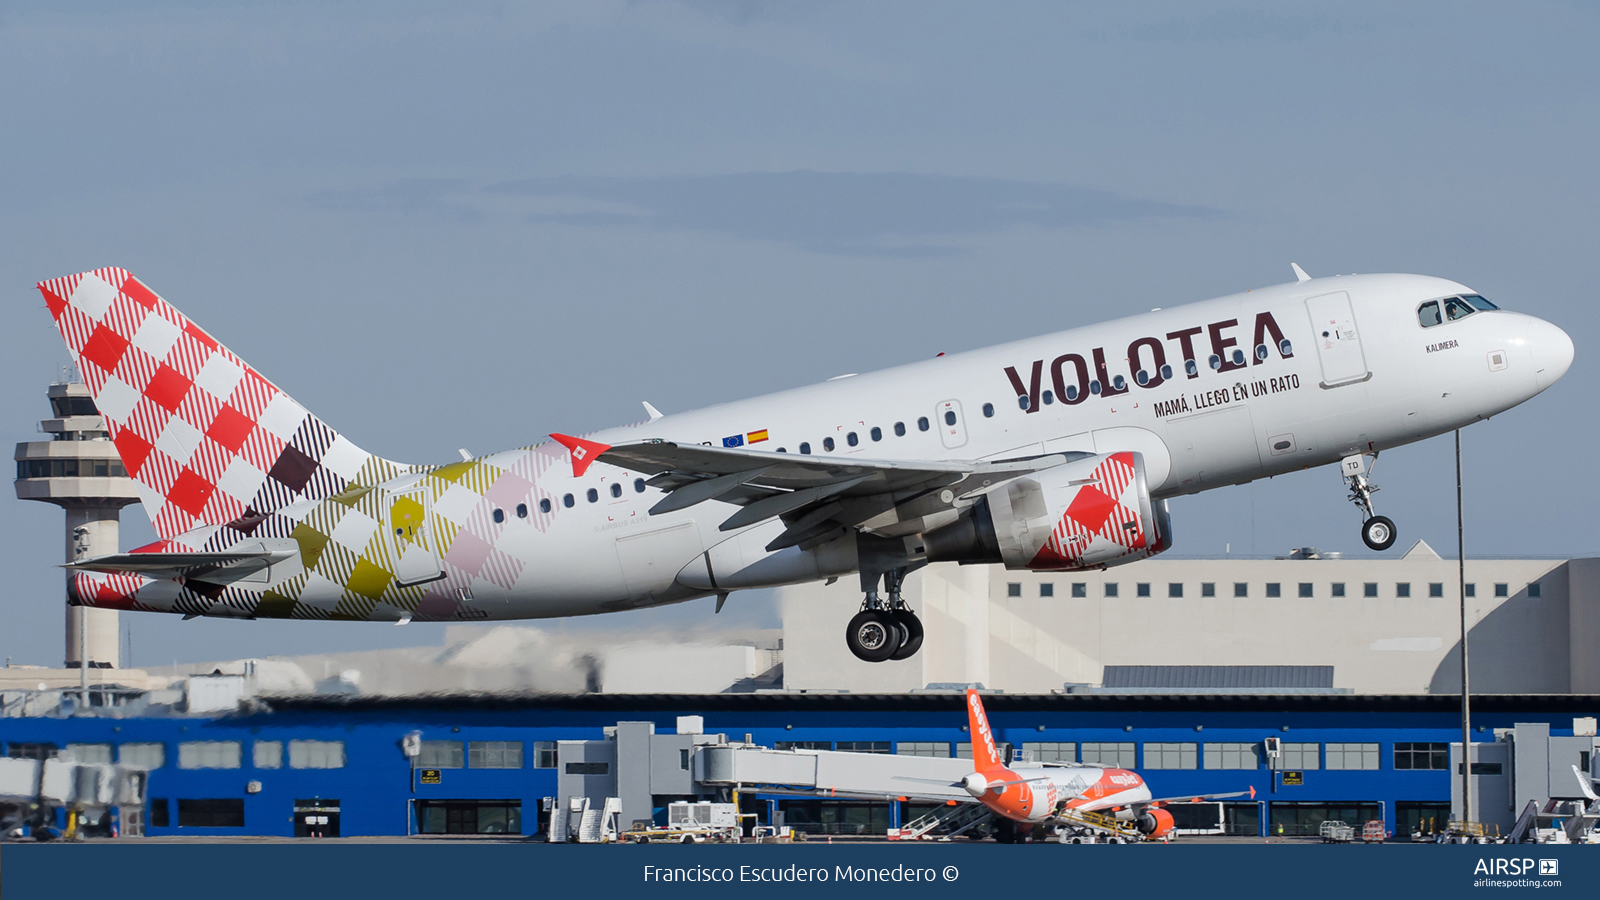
1056	452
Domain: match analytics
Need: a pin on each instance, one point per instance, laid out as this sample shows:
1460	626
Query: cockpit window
1428	314
1479	301
1457	308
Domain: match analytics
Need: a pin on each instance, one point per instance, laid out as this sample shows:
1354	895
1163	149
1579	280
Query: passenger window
1428	314
1072	393
567	501
805	448
499	516
1024	404
851	439
544	505
593	495
1191	367
1048	398
638	485
922	424
877	433
827	444
522	510
988	410
616	490
1094	387
1457	308
949	417
1166	371
899	429
1121	384
1479	301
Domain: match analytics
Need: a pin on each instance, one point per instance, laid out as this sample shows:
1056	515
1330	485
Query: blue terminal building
330	766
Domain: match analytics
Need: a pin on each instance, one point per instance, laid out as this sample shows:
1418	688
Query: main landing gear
884	629
1377	532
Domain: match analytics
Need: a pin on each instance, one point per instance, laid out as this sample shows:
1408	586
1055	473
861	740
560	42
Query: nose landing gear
1377	532
885	630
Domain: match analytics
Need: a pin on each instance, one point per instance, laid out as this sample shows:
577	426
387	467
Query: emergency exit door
411	538
1333	325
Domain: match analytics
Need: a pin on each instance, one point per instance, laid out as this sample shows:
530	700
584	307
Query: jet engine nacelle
1084	514
1155	822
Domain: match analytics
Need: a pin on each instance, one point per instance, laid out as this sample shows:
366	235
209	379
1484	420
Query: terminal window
1231	756
1402	589
1369	589
1241	589
1079	589
1170	756
90	753
1143	589
1013	589
316	754
494	755
1502	590
1175	589
156	809
939	749
1208	589
17	750
267	754
1047	589
964	751
1113	753
1422	756
208	755
143	755
864	746
1533	589
440	755
1352	756
1472	589
1111	589
544	754
1300	756
222	812
1274	589
1305	590
1435	589
804	745
1336	589
587	768
1050	751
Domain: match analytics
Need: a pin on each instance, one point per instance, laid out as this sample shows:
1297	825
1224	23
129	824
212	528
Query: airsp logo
1522	866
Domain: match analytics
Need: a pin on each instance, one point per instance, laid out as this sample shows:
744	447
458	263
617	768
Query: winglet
583	452
1299	273
985	755
651	411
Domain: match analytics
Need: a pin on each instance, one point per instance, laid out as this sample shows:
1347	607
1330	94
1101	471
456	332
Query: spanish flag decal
757	437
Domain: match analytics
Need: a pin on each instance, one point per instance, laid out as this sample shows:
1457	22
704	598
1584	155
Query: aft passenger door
1339	350
411	537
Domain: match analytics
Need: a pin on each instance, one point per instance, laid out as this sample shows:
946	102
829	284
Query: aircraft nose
1552	353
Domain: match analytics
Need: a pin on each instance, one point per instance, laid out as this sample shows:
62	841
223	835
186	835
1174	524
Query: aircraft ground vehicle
1056	452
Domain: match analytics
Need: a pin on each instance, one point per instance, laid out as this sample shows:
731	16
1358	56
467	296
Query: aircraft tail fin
985	755
207	439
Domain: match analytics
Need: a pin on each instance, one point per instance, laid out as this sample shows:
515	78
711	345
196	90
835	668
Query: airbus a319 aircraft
1056	452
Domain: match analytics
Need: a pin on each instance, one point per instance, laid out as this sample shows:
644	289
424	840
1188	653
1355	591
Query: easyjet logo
1126	779
983	727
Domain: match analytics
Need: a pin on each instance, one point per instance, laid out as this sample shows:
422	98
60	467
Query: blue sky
441	225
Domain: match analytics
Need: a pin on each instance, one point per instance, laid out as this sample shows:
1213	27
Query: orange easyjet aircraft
1042	792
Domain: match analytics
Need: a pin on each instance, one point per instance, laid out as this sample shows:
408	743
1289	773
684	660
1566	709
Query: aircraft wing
1191	798
816	496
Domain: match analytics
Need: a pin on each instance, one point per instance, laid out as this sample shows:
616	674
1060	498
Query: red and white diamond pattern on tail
206	438
1103	515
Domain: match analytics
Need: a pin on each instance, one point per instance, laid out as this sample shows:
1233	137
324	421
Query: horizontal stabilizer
231	565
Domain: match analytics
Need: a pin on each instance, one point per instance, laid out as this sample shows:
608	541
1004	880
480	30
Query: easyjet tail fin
207	439
985	755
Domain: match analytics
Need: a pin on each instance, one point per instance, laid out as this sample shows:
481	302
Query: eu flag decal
735	441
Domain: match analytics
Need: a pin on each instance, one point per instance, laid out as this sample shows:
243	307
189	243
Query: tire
1379	533
911	630
872	635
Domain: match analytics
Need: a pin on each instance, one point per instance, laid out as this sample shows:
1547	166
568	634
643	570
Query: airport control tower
78	469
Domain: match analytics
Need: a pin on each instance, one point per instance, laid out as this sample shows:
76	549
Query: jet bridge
831	773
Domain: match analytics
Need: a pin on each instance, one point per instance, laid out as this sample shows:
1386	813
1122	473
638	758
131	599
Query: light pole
1466	693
